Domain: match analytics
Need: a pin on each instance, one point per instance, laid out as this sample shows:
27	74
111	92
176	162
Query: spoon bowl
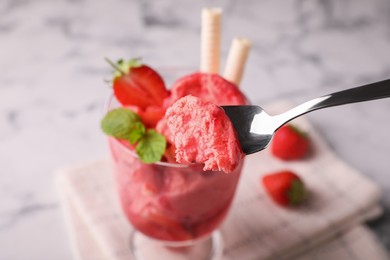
242	118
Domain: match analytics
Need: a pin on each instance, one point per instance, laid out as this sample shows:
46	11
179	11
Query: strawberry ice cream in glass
181	204
176	158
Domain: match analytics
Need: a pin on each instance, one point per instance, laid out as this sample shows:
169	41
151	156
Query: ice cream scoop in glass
255	128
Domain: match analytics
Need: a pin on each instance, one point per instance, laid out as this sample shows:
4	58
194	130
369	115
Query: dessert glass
175	209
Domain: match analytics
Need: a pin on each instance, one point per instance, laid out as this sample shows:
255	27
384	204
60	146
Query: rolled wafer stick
210	40
236	60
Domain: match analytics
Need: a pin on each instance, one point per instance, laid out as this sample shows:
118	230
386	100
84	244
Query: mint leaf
137	131
151	146
125	124
120	123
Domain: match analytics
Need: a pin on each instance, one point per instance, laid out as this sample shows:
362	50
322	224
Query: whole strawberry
290	143
136	84
285	188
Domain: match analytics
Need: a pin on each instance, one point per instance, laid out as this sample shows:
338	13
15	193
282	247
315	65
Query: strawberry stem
115	66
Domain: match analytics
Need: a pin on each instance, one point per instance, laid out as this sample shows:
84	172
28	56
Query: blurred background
52	88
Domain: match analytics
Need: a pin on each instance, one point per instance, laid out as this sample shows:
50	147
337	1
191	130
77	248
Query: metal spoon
255	127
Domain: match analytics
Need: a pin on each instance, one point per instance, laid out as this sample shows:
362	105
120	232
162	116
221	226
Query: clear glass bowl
175	209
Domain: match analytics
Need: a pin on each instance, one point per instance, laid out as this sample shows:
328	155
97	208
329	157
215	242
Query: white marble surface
52	89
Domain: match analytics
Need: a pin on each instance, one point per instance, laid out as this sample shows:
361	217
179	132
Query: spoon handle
367	92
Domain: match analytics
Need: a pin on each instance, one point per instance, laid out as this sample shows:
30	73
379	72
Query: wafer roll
236	60
210	40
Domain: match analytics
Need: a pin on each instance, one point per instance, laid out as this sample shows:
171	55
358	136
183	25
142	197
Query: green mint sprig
151	146
125	124
137	132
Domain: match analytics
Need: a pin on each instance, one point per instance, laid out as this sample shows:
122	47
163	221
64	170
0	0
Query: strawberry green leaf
151	146
137	131
297	130
122	67
297	192
120	123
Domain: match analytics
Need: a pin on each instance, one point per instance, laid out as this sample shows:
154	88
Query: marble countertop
52	87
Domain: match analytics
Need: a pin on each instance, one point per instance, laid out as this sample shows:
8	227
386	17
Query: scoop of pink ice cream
202	133
209	87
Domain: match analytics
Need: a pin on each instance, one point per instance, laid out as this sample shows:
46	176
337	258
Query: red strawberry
151	115
210	87
169	154
138	85
285	188
290	143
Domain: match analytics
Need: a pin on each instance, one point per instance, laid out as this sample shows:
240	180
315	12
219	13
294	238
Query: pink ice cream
202	133
208	87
